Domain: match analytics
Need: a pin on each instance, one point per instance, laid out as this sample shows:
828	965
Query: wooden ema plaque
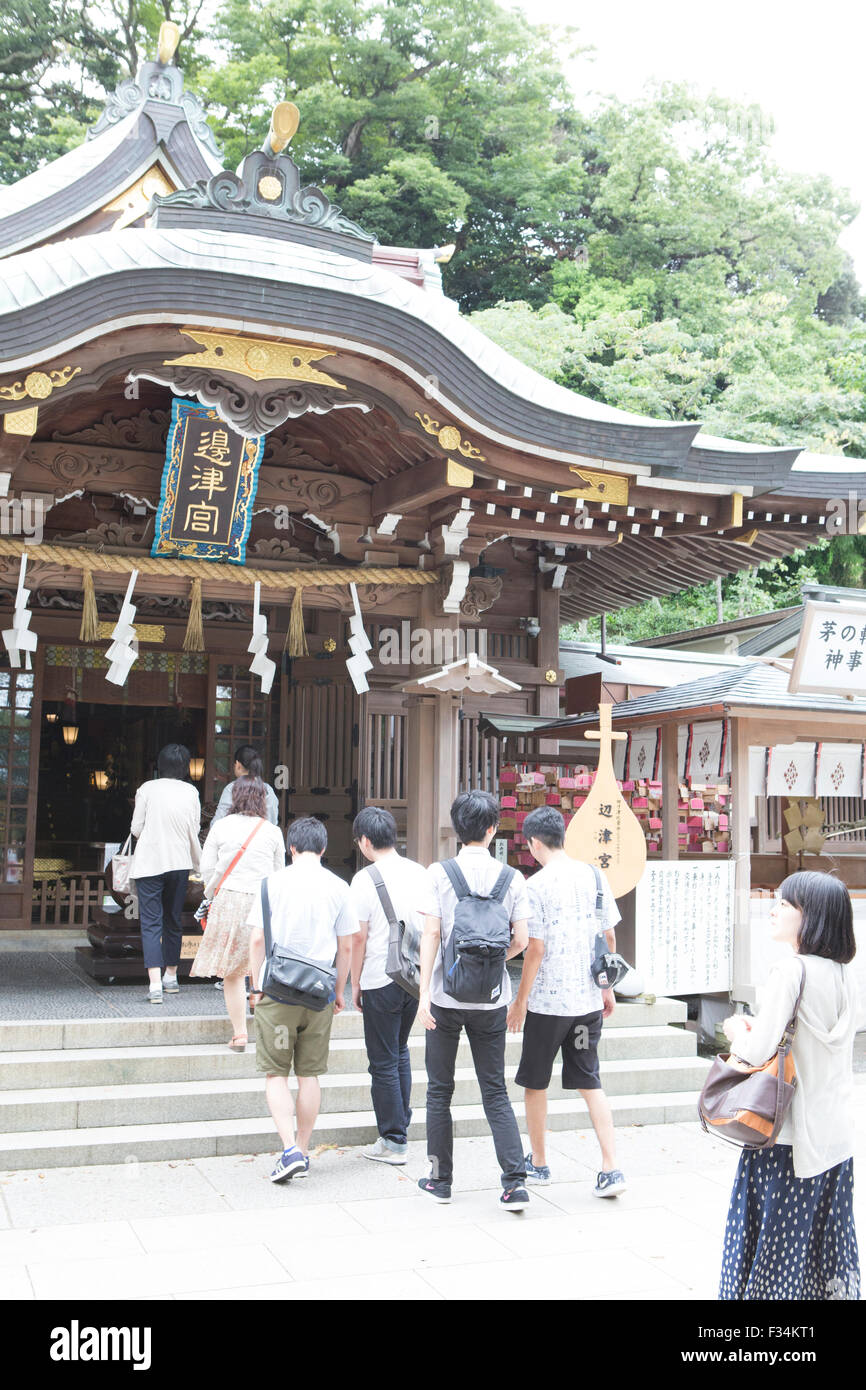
605	831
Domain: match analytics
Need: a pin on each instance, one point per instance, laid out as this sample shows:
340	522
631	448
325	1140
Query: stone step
154	1029
133	1144
91	1107
201	1062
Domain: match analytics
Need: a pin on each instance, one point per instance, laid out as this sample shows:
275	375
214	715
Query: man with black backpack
388	894
559	1004
476	920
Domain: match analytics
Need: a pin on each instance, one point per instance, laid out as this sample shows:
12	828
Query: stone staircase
88	1091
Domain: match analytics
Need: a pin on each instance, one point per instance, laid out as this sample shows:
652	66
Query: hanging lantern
196	769
70	734
100	780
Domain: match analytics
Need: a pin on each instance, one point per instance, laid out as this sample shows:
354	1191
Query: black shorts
577	1038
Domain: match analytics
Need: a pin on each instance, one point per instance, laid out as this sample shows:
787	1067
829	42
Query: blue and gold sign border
233	551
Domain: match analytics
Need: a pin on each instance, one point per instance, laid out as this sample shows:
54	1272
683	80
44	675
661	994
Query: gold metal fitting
169	38
284	123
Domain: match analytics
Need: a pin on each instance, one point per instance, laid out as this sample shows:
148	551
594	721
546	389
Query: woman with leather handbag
241	849
790	1229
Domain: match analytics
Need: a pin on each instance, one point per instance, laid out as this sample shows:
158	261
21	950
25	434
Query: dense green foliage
650	255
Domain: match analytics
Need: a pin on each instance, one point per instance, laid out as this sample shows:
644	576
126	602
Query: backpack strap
458	882
384	897
599	891
500	887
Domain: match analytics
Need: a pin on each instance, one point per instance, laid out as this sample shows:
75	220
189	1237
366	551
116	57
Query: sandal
239	1042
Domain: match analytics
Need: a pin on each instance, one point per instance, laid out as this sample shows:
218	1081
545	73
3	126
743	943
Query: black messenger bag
290	977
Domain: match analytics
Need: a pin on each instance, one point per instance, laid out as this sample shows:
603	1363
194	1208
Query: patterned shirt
562	901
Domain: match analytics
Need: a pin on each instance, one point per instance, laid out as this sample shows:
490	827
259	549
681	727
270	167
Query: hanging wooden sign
208	487
605	831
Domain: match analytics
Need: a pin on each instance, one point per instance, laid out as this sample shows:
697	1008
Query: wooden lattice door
321	749
19	755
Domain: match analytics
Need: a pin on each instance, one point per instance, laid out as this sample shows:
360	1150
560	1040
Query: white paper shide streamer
261	664
358	663
18	638
124	643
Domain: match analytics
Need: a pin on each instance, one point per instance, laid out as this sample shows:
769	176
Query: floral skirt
225	946
787	1237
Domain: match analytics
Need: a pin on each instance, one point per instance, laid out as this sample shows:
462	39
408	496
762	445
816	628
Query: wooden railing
66	901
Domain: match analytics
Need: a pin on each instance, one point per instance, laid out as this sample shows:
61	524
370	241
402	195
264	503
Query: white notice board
831	653
684	926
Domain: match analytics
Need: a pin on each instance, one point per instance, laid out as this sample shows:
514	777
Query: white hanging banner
791	771
757	772
682	749
840	769
123	650
358	663
642	754
18	638
706	751
261	664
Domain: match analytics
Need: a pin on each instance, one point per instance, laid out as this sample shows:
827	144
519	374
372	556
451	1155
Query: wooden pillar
547	697
741	845
432	760
670	791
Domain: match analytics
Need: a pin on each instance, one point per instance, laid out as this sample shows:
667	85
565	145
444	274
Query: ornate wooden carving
480	595
147	430
250	409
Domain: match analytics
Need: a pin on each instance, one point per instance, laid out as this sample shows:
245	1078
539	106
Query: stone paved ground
217	1229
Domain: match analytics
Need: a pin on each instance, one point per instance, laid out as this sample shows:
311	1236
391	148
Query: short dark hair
247	756
472	814
546	824
378	825
173	761
307	835
827	928
248	797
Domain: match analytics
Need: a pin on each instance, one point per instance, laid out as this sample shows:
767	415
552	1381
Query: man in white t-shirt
387	1009
475	817
559	1006
312	912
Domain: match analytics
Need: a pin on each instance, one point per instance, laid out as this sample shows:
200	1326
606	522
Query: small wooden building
473	503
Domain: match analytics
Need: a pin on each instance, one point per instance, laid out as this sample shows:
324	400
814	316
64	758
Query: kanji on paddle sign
605	831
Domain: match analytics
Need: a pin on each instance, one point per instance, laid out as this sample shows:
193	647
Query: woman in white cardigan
225	947
790	1230
166	822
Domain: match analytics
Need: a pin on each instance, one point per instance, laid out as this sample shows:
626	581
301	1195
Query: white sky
801	62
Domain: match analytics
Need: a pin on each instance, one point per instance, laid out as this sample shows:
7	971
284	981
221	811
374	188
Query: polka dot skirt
787	1237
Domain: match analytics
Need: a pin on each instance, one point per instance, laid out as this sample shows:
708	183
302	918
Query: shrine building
218	386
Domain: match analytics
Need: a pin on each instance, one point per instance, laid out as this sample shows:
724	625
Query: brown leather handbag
746	1105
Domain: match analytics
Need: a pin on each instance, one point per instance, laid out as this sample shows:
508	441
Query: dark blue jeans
160	904
388	1014
485	1029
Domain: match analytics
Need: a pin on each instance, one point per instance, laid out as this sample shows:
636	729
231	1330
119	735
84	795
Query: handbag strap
253	833
782	1053
266	919
384	897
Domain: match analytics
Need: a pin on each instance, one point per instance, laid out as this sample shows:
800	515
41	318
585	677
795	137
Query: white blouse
166	822
265	855
820	1123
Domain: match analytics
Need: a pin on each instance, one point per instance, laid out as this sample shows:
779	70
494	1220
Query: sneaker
154	994
439	1191
290	1162
514	1198
383	1152
217	984
304	1172
609	1184
170	984
537	1173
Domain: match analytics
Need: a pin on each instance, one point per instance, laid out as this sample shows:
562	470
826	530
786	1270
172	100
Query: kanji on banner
208	487
643	754
840	769
831	652
791	770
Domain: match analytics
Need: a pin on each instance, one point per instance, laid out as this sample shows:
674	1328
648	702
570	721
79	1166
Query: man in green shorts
311	911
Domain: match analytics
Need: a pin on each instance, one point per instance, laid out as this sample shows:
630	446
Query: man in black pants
475	817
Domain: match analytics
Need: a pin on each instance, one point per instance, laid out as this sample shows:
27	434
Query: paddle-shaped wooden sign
605	831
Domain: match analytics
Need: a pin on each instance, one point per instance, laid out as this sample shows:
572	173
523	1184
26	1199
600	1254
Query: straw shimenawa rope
89	630
102	563
296	639
193	640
